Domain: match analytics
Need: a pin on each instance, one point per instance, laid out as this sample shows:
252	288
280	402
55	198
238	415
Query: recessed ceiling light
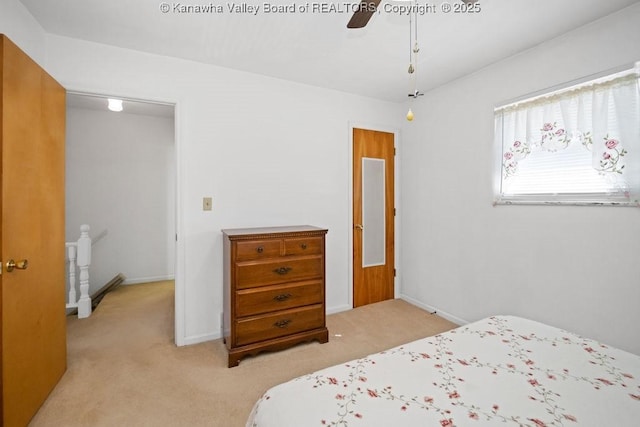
115	104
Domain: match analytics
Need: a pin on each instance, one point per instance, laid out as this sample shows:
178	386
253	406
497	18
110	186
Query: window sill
533	202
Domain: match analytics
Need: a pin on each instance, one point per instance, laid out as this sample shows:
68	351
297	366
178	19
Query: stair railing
79	254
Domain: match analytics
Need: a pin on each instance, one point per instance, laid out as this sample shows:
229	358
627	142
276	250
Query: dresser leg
233	361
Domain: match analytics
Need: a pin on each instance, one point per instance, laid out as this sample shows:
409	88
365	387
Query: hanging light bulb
410	115
413	58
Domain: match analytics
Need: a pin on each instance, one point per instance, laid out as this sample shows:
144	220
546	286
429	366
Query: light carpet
125	370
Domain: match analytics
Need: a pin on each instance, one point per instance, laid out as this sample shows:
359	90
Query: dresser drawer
265	299
251	273
257	249
287	322
303	246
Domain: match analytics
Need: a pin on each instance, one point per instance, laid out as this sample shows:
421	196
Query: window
577	145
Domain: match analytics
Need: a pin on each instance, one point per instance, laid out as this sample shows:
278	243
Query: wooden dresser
274	290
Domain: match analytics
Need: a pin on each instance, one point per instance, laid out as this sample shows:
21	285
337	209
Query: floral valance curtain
561	132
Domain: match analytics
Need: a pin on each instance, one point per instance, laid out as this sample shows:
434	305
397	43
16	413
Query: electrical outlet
207	203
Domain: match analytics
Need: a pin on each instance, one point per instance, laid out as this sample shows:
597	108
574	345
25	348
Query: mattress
502	370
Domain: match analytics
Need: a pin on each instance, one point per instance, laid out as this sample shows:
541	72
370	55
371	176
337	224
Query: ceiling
315	47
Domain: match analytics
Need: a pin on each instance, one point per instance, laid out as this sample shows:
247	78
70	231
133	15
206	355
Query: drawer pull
282	297
282	270
282	323
303	246
260	249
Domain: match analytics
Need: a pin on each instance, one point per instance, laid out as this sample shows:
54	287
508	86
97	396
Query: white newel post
84	260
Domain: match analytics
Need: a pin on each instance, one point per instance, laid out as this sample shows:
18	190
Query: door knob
20	265
358	226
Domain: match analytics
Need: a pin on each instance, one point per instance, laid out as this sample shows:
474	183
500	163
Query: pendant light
413	56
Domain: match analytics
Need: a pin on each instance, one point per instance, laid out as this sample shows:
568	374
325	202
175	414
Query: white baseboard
148	279
339	309
197	339
450	317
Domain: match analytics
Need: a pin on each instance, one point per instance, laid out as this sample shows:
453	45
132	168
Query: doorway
373	216
121	181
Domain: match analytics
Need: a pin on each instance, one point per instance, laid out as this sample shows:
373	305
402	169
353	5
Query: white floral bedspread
502	370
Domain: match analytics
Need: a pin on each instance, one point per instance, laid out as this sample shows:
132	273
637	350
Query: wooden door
32	300
373	216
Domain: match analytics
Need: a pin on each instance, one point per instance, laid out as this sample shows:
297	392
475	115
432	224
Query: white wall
22	29
573	267
120	179
254	144
269	152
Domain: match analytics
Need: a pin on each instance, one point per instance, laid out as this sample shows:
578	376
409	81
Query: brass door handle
20	265
358	226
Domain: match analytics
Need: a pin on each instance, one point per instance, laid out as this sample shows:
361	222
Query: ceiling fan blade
363	13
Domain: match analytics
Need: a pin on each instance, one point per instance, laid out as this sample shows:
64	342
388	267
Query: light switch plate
207	203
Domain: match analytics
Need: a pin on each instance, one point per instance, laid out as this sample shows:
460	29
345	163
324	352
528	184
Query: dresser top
289	229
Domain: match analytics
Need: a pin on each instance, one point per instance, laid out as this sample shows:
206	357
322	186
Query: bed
502	370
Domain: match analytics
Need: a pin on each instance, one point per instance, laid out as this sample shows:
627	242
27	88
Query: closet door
373	216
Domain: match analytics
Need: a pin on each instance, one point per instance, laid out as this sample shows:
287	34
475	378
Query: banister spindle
71	251
84	260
